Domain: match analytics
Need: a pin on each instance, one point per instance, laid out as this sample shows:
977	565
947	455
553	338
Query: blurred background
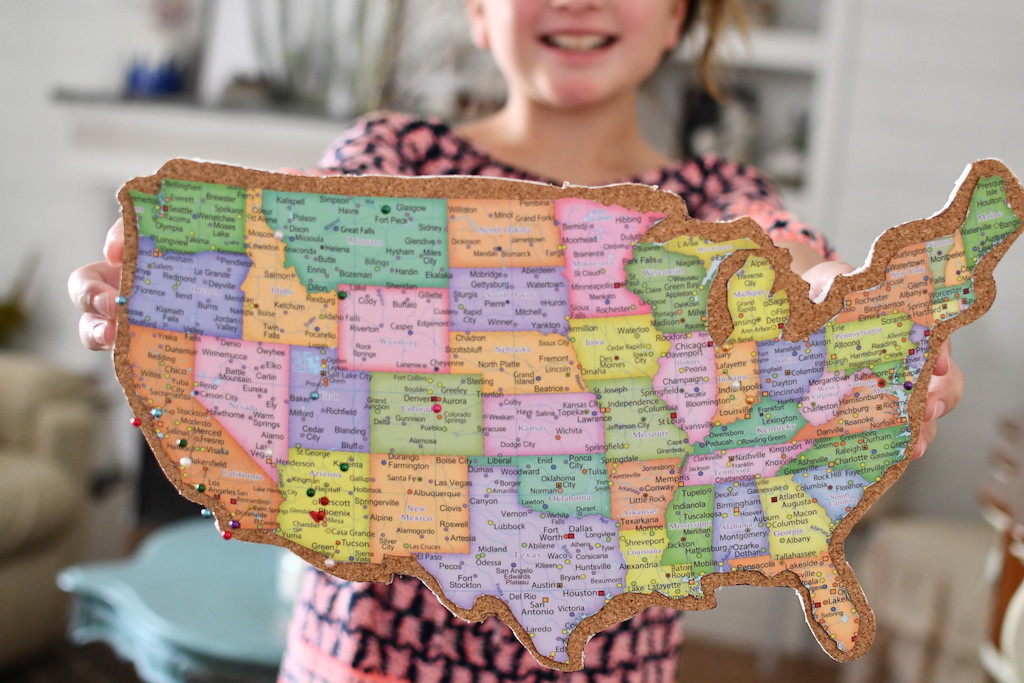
864	112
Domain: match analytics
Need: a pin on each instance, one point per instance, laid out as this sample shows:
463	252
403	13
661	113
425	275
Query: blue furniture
187	606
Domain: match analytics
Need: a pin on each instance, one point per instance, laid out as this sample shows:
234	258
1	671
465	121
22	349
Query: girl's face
575	53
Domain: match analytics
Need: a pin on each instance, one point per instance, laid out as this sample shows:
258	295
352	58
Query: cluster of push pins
186	462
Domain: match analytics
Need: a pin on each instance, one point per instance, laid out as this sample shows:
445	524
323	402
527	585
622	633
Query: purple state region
789	368
739	525
328	406
552	570
920	336
218	292
837	491
163	293
509	299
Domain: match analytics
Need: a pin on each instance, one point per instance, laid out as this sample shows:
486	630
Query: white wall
931	86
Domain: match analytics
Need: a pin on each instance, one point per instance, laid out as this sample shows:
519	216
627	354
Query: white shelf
113	140
769	49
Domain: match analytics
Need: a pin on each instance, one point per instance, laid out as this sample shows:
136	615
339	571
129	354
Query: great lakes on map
557	406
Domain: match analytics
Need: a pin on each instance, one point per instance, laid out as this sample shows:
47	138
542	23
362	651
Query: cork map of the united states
555	406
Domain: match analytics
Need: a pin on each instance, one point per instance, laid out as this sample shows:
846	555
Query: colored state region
189	216
198	293
207	456
503	233
278	306
543	424
598	241
552	570
524	362
393	329
758	311
509	299
332	240
423	414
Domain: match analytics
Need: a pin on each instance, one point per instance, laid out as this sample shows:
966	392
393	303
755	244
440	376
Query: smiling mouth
578	42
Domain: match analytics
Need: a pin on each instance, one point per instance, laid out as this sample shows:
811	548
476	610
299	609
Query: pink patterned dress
398	633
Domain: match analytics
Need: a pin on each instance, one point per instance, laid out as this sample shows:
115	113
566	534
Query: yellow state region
617	347
642	550
757	314
864	343
326	505
509	233
739	382
517	362
708	252
797	525
277	307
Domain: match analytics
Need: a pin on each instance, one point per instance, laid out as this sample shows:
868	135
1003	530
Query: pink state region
686	382
393	329
542	424
598	242
822	401
244	386
552	571
737	464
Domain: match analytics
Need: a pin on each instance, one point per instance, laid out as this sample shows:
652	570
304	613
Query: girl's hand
946	387
93	289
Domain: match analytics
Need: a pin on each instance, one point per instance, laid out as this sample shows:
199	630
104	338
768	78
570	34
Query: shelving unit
791	69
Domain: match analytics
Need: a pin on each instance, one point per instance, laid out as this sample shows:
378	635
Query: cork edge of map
805	317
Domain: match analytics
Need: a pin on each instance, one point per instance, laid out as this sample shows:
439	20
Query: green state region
770	422
868	454
573	485
403	419
326	502
863	343
332	240
989	220
672	284
190	216
949	302
688	525
637	422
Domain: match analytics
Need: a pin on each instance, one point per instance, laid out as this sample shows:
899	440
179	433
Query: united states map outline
176	420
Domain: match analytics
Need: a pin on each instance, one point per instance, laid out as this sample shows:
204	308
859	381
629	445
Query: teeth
579	42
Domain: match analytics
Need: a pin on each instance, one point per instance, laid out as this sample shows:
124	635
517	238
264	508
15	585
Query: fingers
93	289
113	247
822	275
924	438
946	388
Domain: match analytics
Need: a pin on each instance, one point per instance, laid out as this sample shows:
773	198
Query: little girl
574	69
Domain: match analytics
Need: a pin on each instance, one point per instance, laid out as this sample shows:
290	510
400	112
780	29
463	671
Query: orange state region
277	306
908	288
418	504
517	362
641	491
865	409
830	601
205	454
739	381
503	233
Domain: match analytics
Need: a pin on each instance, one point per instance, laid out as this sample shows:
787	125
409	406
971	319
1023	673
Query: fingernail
104	305
99	333
940	409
